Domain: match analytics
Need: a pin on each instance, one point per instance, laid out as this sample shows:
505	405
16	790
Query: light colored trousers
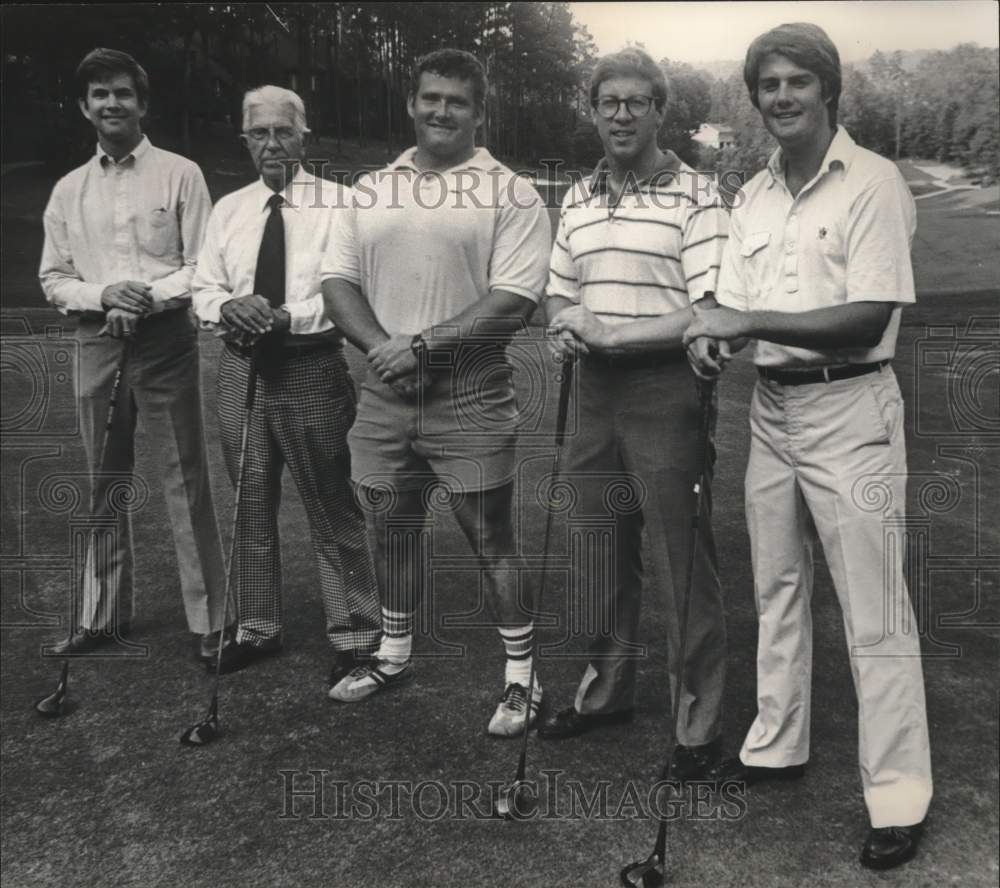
161	385
829	460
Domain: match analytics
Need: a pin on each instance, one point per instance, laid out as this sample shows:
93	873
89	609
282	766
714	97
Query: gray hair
276	95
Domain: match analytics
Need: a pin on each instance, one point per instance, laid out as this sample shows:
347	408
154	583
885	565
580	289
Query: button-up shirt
141	218
653	251
423	246
227	265
845	237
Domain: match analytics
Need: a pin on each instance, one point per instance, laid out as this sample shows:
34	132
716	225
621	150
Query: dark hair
630	62
456	63
809	47
101	64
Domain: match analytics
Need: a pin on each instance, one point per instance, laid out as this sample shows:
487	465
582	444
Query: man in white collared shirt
258	281
817	270
441	259
122	233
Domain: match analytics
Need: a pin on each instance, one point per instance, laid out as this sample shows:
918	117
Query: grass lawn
107	796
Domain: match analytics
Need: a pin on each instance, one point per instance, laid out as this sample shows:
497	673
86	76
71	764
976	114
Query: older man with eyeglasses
258	281
637	244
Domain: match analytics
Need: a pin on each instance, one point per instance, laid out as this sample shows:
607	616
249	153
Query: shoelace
515	697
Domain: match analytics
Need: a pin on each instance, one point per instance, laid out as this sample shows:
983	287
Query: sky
704	32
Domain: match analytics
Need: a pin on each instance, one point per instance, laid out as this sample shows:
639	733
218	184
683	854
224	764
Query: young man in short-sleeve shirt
817	270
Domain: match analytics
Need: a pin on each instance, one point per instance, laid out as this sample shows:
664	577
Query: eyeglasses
261	133
637	106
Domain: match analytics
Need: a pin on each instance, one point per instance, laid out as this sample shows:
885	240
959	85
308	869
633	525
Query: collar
481	160
297	193
838	157
670	164
104	159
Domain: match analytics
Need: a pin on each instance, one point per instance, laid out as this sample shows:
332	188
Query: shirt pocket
159	231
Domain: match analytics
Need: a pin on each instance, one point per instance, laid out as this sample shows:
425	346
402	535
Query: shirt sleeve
307	315
211	285
521	242
342	258
703	241
880	228
731	286
193	208
61	282
562	271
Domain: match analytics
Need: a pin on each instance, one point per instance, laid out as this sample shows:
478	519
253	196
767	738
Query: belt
639	361
99	317
817	374
290	349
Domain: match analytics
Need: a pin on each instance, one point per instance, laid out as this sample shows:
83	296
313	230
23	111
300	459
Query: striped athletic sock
518	641
397	637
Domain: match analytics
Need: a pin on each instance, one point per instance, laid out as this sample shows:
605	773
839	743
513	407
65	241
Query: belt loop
826	374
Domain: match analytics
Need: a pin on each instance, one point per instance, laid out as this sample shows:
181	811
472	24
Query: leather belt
817	374
639	361
291	350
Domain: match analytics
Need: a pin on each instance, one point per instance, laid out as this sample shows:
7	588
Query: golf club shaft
705	395
248	402
561	414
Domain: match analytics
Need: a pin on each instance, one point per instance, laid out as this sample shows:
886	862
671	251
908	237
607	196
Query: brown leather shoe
569	723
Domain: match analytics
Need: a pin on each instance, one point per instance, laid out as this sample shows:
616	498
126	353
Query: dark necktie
269	282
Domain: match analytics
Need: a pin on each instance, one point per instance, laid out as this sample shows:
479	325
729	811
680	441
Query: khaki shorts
460	432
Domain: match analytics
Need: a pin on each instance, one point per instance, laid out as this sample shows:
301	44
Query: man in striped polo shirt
637	244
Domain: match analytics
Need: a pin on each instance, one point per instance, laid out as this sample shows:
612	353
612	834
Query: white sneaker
368	679
508	720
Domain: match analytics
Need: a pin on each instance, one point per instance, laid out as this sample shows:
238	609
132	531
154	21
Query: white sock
518	642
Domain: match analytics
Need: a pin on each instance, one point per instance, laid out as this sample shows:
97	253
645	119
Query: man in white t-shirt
441	259
817	269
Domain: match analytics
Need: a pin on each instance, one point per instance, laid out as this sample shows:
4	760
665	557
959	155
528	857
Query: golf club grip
563	409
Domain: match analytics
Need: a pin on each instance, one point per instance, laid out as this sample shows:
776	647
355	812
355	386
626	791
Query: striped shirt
653	252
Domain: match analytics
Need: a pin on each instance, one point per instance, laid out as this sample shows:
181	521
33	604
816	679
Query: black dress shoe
890	846
733	770
239	655
206	647
570	723
695	762
84	641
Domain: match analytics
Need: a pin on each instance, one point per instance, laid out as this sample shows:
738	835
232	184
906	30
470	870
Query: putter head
53	705
206	730
648	873
516	801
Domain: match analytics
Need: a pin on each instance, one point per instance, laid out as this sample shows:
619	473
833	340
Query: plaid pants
301	419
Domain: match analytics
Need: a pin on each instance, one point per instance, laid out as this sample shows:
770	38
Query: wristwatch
418	345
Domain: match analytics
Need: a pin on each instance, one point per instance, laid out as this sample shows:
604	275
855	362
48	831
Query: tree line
351	64
946	108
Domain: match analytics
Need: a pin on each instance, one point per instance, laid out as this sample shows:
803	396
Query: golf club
651	872
205	731
52	705
514	801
